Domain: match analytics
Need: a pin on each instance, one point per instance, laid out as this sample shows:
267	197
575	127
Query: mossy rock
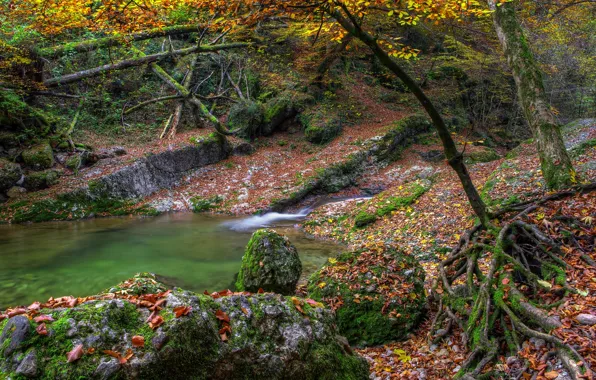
41	180
268	338
200	204
39	156
382	294
8	140
74	162
400	135
320	127
10	174
482	155
363	219
271	263
247	118
276	112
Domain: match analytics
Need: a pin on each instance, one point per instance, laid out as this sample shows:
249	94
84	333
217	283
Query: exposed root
493	285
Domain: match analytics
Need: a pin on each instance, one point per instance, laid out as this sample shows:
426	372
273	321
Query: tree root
502	305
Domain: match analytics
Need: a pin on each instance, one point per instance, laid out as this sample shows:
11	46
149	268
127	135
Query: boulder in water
190	335
271	263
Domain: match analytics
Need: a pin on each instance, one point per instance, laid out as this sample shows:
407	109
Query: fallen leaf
113	354
15	312
551	375
505	281
138	341
125	358
219	314
182	310
245	311
41	329
74	354
156	322
34	306
43	318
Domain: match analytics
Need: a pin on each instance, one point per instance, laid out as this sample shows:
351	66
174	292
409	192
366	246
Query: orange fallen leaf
113	354
156	322
138	341
182	310
551	375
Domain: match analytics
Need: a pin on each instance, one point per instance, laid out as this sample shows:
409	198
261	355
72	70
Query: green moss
200	204
330	360
484	155
41	180
39	156
247	118
363	219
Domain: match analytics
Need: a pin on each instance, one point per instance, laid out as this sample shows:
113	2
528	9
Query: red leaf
3	317
74	354
41	329
260	291
505	281
43	318
138	341
219	314
182	310
156	322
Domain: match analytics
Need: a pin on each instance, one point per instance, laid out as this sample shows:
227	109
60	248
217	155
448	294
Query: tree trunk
144	59
91	45
330	59
454	157
556	166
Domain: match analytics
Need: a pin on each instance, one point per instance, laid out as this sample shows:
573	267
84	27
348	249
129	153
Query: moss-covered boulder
276	112
10	173
481	154
320	127
41	180
39	156
400	135
188	336
379	294
247	118
271	263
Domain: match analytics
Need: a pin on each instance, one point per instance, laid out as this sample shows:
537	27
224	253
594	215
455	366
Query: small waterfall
266	220
274	218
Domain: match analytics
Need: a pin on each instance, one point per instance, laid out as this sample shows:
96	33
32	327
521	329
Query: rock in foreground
188	335
378	294
270	263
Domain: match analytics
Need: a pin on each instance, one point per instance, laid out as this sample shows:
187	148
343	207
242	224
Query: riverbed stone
372	315
271	263
292	343
16	192
10	173
39	156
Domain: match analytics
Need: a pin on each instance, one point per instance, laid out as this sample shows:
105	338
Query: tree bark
454	157
90	73
557	169
91	45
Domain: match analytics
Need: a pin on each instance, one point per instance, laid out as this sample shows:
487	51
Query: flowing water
193	251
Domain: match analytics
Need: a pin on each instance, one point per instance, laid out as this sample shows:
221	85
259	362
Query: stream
194	251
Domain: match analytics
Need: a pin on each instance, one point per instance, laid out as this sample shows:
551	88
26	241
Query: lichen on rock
271	263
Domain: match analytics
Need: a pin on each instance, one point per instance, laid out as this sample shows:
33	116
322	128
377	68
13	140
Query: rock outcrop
231	336
379	294
39	157
271	263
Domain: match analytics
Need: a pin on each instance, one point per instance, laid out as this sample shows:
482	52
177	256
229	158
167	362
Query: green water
81	258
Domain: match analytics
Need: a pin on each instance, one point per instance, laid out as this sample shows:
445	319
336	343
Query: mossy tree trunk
454	157
557	169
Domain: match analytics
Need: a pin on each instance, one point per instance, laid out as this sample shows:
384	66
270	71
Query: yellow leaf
322	285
